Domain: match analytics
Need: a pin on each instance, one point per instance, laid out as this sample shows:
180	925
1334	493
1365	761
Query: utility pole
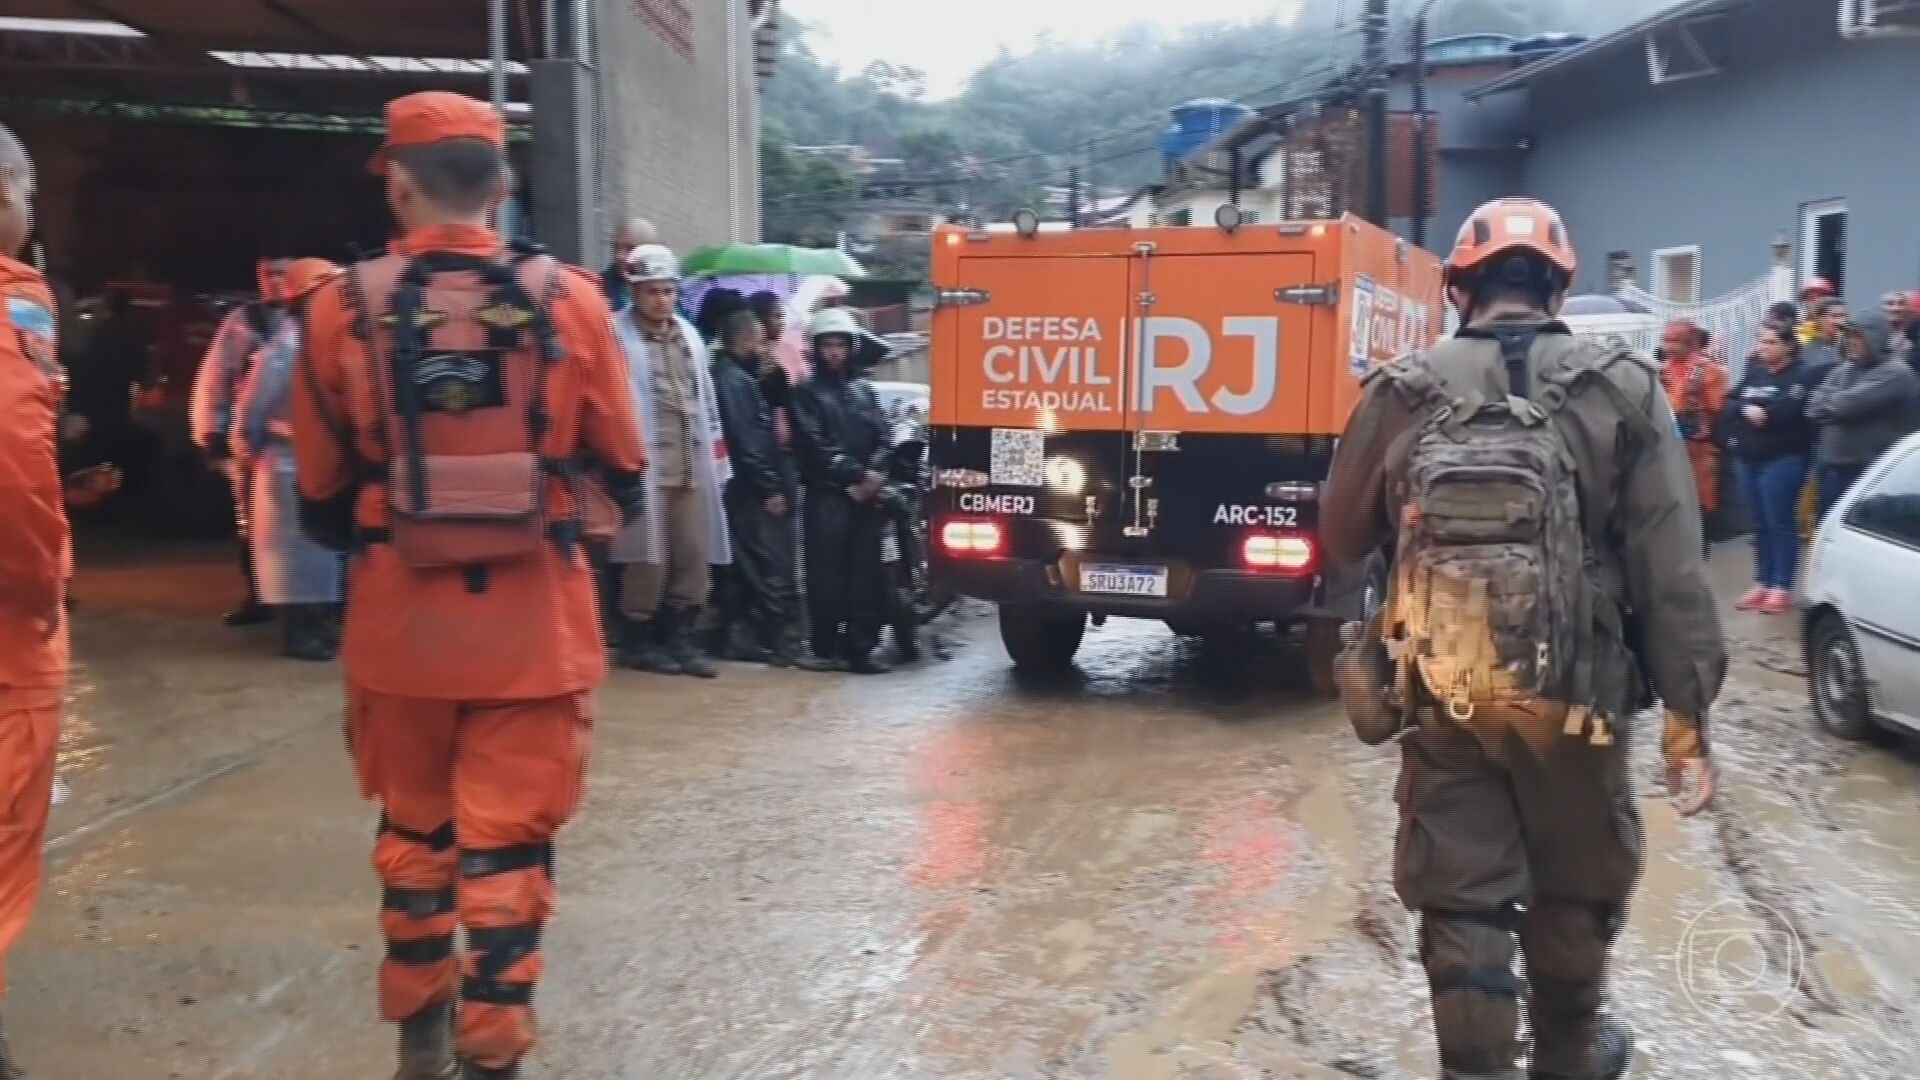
1073	196
1375	60
1422	131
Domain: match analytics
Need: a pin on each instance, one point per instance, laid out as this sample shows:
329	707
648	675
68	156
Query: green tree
806	199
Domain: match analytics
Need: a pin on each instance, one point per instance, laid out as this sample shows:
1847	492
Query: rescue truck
1137	422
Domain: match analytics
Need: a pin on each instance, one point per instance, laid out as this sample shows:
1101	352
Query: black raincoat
840	433
763	593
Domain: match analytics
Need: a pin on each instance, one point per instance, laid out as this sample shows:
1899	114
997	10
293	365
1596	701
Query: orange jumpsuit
1702	396
469	713
36	559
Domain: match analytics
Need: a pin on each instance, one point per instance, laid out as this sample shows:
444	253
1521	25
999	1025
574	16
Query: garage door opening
149	229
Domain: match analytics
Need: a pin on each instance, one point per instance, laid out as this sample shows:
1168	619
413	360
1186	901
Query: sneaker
1777	602
1755	597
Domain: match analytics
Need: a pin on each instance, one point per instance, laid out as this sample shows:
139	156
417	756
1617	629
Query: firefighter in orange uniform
452	395
35	561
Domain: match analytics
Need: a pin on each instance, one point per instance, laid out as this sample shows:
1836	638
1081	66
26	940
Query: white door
1878	551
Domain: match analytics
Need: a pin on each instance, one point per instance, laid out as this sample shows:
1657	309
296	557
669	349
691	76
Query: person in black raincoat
762	597
840	437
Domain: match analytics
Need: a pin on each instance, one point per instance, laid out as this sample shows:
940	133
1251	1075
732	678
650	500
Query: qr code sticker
1019	458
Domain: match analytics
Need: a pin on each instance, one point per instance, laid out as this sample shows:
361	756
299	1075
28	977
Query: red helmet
1511	225
1818	288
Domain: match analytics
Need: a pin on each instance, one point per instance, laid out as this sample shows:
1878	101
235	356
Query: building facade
681	116
1686	146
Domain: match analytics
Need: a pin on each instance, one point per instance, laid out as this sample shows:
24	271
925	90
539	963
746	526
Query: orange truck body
1136	422
1174	329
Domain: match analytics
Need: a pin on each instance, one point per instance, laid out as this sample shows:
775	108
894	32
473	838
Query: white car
1860	602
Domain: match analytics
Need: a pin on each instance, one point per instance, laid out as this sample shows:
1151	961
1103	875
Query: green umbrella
770	259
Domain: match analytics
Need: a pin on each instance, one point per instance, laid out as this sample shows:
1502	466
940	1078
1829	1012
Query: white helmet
651	262
834	320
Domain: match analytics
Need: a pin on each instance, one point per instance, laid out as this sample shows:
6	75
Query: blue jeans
1772	488
1835	480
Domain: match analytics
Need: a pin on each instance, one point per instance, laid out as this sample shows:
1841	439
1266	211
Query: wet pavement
1161	869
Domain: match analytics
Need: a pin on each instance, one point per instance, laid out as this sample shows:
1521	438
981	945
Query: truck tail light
1293	554
968	538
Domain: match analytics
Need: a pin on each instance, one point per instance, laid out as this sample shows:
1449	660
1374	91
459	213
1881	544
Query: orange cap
1511	225
305	275
435	116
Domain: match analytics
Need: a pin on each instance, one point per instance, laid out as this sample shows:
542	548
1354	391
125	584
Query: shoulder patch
36	332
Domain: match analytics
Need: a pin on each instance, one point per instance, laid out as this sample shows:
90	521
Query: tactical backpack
459	353
1493	598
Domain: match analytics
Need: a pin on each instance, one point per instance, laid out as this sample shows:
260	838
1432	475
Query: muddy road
1155	871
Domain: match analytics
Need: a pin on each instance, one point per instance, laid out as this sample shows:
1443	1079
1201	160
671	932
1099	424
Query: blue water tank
1196	123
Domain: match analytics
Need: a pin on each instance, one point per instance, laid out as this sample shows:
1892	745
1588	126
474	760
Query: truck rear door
1215	443
1036	366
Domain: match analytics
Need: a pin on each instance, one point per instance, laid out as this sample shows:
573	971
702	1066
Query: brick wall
666	74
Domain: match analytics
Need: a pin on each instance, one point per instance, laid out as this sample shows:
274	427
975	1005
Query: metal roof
1628	35
342	57
456	28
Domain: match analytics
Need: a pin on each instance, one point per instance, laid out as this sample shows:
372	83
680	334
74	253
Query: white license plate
1109	580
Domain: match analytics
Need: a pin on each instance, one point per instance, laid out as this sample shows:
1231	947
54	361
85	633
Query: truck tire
1041	641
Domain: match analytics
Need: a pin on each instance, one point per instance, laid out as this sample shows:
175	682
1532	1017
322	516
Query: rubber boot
251	611
470	1071
683	644
1612	1054
1613	1049
9	1070
307	632
862	661
743	644
641	651
426	1045
790	651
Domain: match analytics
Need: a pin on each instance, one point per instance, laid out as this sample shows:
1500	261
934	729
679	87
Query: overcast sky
948	41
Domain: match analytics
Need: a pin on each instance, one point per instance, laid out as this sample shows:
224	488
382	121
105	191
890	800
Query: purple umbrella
693	290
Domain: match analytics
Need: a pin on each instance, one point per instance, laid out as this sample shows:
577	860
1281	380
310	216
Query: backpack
1493	598
459	371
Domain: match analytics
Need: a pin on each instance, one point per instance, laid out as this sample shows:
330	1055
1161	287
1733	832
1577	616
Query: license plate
1109	580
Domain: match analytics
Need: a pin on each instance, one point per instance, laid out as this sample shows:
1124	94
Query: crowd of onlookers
1826	392
763	445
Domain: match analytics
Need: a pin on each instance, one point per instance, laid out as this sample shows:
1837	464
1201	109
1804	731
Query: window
1676	274
1890	509
1823	243
1182	216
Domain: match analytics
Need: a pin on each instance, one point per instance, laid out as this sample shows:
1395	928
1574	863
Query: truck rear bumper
1216	596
